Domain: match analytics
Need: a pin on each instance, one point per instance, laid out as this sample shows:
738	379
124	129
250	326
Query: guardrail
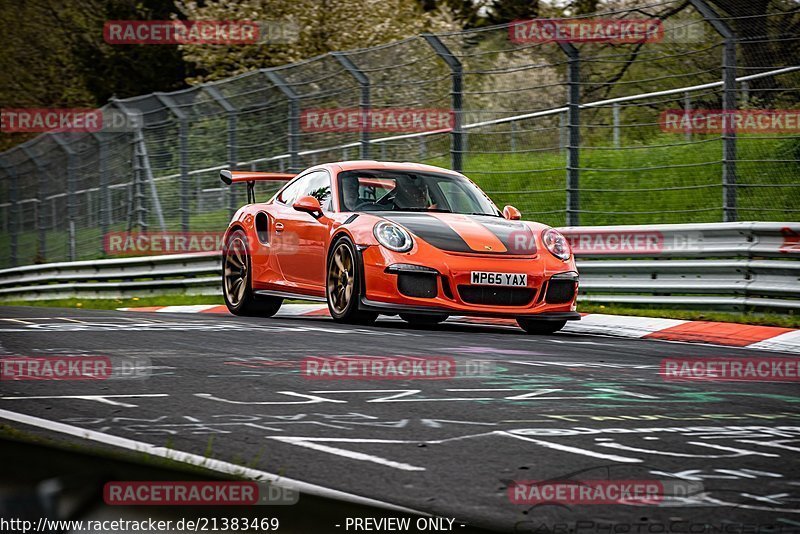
718	266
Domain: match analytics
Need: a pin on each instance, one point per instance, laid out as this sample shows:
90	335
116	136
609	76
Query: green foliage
54	55
321	26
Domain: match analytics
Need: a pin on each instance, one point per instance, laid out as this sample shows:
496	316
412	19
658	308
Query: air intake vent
560	291
413	284
496	296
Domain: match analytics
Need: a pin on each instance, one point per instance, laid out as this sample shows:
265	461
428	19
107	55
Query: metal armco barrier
725	266
190	274
717	266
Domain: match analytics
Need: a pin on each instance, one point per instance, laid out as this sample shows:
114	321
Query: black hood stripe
508	232
442	236
432	230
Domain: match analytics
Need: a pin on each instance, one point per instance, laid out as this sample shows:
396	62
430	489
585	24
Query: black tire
540	327
343	284
237	287
424	319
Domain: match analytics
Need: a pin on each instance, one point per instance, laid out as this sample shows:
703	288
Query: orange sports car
406	239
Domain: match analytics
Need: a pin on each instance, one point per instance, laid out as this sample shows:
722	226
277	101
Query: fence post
105	195
142	161
183	155
71	207
41	192
746	93
729	135
13	216
294	117
728	106
615	111
364	99
457	135
687	109
514	136
574	129
233	156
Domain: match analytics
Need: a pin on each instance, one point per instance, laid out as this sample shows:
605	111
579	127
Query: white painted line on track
103	399
575	450
16	320
201	461
310	443
196	308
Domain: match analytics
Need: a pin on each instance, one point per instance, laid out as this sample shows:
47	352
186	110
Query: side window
292	191
319	187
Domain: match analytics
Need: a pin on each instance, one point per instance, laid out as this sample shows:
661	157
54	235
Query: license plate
481	278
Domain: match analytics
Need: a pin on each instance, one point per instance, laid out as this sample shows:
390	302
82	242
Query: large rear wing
250	178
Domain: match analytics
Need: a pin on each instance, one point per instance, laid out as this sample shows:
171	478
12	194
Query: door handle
278	227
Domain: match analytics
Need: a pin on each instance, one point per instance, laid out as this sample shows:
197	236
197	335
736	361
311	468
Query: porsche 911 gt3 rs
404	239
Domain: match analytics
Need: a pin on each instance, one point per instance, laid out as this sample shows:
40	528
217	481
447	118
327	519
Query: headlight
557	244
392	237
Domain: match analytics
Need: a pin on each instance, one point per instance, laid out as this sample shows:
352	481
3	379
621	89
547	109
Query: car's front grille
496	296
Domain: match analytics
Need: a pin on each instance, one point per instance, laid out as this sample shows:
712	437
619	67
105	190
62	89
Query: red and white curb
729	334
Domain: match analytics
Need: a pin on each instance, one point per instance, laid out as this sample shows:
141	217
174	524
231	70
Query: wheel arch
230	230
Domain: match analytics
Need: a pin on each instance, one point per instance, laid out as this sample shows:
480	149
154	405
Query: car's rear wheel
423	319
540	327
343	285
237	282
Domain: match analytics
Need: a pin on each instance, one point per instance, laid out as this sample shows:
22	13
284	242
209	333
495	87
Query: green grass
616	187
764	319
112	304
682	185
769	319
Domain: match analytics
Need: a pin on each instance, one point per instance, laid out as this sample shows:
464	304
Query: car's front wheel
236	281
343	285
539	326
423	319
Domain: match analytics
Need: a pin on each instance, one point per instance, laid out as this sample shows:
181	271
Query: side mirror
310	205
511	213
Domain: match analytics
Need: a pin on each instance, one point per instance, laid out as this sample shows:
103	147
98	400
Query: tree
768	35
322	26
54	55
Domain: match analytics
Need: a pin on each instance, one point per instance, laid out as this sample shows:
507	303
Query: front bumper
452	272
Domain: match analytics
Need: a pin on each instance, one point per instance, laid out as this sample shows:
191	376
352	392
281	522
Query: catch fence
570	131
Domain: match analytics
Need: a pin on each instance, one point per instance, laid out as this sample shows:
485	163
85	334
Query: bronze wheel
236	281
235	271
343	284
341	278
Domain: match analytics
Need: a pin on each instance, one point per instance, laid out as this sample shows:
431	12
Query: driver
411	195
350	188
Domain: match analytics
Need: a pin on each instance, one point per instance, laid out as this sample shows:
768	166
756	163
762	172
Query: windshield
368	190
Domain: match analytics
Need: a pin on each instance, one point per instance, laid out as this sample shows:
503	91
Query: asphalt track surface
555	407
